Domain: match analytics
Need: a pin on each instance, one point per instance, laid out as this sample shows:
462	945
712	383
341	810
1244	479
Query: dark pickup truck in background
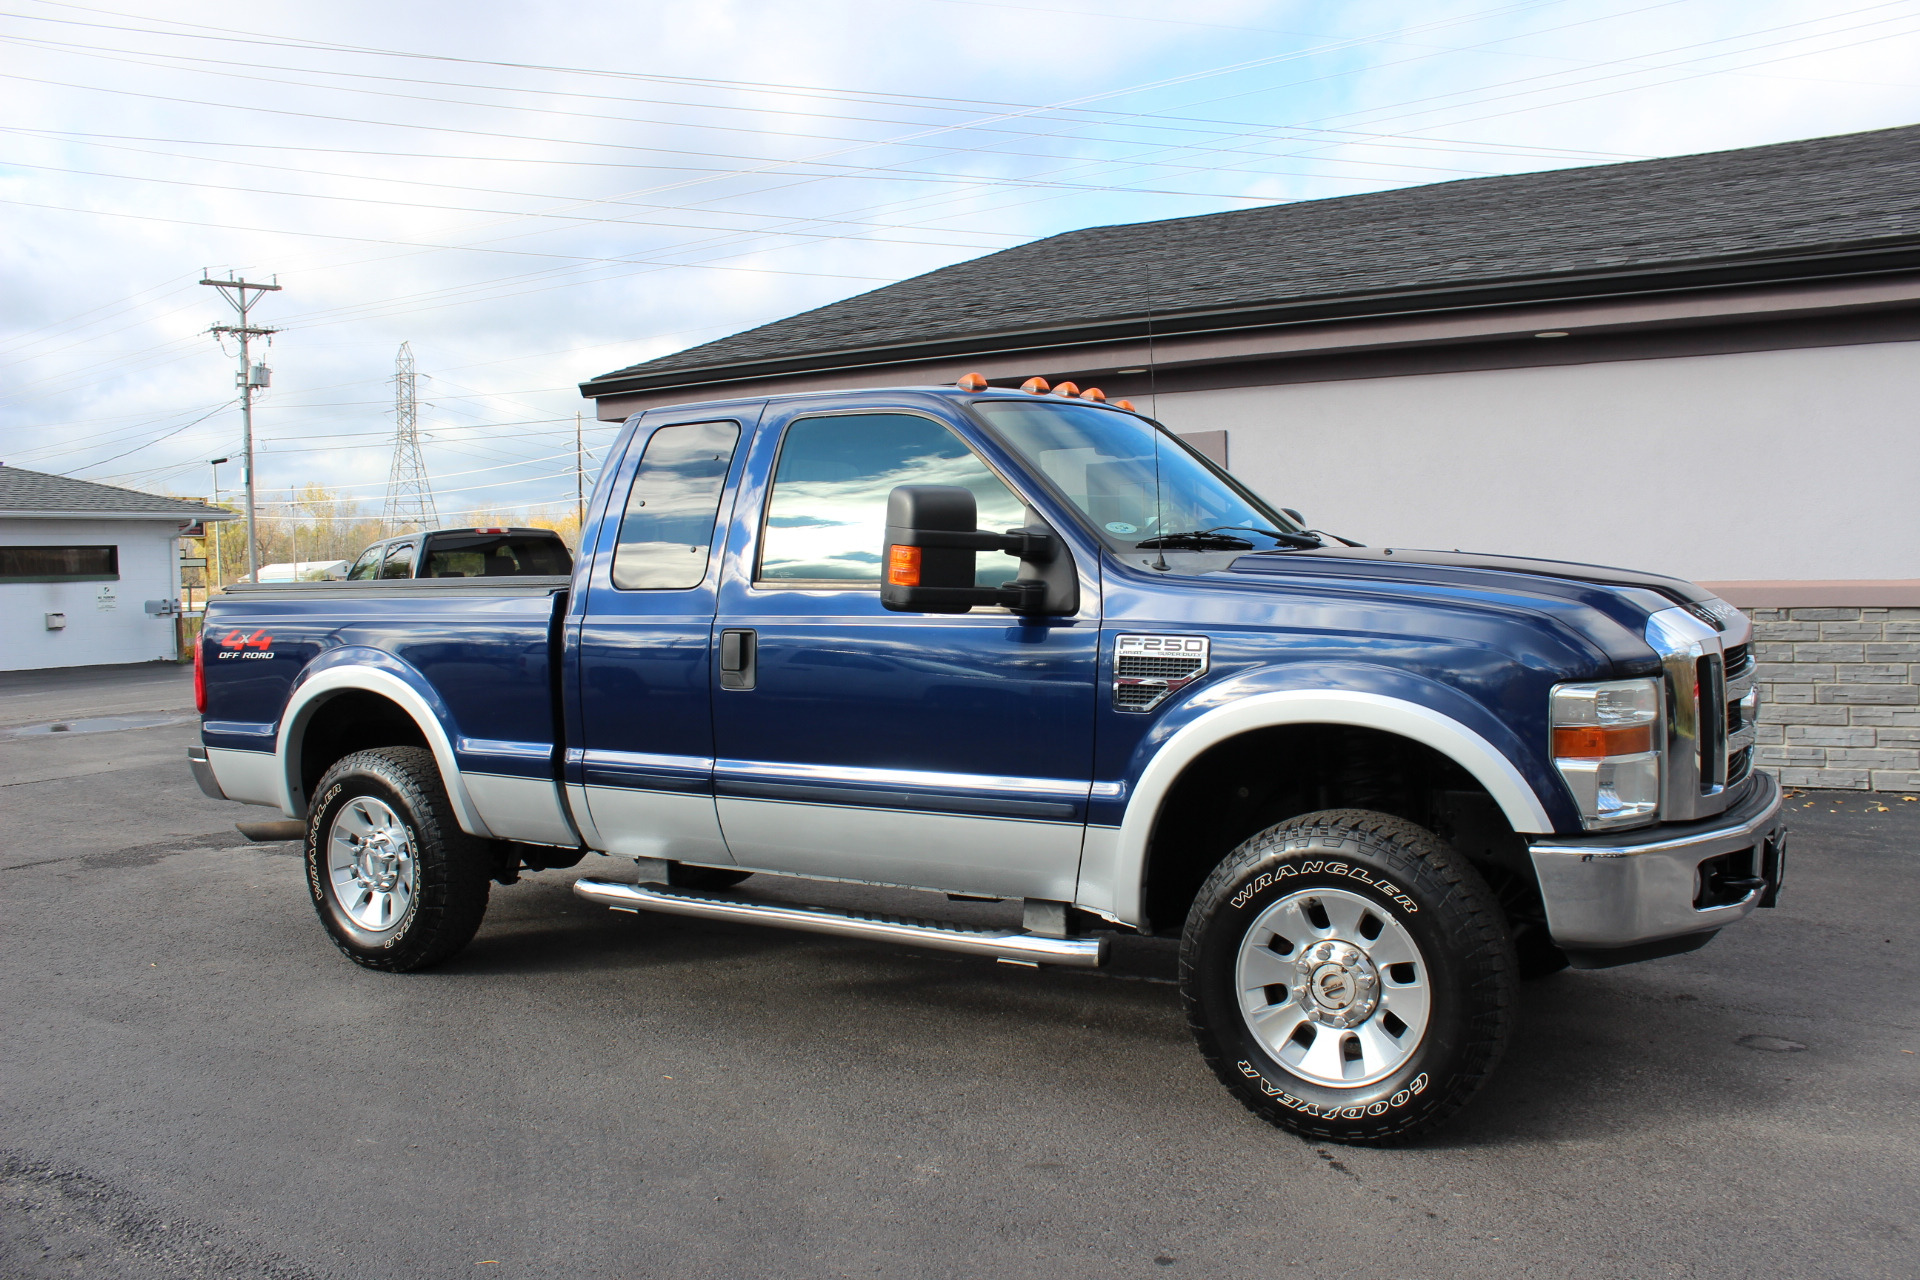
496	552
1030	647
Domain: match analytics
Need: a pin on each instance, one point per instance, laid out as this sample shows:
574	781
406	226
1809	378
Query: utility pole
251	376
579	482
409	493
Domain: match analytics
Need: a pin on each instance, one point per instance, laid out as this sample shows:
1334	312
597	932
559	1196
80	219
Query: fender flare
343	675
1127	869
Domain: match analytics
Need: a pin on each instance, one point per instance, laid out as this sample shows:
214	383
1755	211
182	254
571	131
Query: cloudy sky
531	195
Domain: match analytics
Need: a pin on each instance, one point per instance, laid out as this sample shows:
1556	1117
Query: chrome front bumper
203	772
1615	898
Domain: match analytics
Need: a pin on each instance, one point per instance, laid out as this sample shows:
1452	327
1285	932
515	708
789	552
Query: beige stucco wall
1797	464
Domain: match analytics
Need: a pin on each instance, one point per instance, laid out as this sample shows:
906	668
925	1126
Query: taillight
200	674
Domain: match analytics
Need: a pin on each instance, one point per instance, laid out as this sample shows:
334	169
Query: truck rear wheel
397	883
1348	977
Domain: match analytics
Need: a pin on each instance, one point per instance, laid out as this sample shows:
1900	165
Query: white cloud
526	229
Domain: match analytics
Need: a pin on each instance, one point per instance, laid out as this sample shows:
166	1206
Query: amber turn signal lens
1591	742
973	382
903	566
1034	386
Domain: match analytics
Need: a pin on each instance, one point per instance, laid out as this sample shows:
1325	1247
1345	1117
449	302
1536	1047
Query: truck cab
1030	646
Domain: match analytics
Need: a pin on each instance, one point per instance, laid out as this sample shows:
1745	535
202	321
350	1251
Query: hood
1472	569
1624	597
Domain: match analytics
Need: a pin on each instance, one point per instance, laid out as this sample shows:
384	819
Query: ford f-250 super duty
1367	789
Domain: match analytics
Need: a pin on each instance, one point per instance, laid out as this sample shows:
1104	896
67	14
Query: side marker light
903	566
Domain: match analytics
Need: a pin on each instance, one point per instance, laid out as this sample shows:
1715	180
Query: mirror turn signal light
973	382
903	566
1594	742
1034	386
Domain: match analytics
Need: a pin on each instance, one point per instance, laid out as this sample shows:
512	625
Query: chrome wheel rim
371	867
1333	987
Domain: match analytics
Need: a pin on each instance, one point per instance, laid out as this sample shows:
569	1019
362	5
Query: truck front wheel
397	883
1348	977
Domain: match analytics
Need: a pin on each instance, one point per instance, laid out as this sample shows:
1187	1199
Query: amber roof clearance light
1066	389
972	382
1094	394
1034	386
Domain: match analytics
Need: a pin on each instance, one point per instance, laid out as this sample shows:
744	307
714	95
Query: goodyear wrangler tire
397	883
1349	977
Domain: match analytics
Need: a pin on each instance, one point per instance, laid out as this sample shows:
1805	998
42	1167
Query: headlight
1606	744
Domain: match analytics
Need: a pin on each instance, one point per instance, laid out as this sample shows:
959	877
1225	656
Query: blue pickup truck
1029	646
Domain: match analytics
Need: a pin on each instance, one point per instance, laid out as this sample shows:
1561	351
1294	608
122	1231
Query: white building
89	574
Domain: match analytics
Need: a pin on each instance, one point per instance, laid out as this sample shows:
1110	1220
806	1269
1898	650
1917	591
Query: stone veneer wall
1839	697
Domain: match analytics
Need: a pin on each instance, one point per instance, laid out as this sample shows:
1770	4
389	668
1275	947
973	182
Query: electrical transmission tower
409	493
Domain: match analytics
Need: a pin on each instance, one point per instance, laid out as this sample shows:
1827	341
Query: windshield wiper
1220	538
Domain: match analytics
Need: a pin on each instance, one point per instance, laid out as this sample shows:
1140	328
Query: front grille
1711	708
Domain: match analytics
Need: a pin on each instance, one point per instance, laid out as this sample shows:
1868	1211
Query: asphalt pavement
196	1084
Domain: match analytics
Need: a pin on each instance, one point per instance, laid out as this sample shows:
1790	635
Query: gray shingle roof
34	491
1796	198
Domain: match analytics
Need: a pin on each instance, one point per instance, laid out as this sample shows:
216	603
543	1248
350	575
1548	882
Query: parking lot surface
198	1084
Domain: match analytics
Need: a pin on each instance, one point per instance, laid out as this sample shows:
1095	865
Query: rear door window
399	561
666	533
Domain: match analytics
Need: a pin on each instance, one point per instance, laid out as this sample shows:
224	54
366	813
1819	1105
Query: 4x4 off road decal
1417	1085
1267	879
257	645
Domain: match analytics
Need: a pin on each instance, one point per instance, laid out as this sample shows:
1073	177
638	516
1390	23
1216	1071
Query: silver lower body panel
1018	948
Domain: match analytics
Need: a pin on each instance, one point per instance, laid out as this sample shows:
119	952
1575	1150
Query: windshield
1106	463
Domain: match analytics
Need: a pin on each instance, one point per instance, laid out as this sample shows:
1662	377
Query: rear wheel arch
352	706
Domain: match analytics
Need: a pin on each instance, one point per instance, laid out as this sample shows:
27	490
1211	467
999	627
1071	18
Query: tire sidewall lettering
1286	870
1340	1111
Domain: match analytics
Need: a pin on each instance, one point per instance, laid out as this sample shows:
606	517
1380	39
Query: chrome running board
1014	948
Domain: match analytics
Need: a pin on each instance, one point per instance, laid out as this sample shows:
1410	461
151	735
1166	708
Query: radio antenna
1153	410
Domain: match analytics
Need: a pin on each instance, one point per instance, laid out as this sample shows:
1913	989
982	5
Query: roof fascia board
1797	301
158	517
1878	259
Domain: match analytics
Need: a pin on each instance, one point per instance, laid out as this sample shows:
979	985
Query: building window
59	564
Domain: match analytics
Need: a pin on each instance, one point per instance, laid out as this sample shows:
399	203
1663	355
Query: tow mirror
928	566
